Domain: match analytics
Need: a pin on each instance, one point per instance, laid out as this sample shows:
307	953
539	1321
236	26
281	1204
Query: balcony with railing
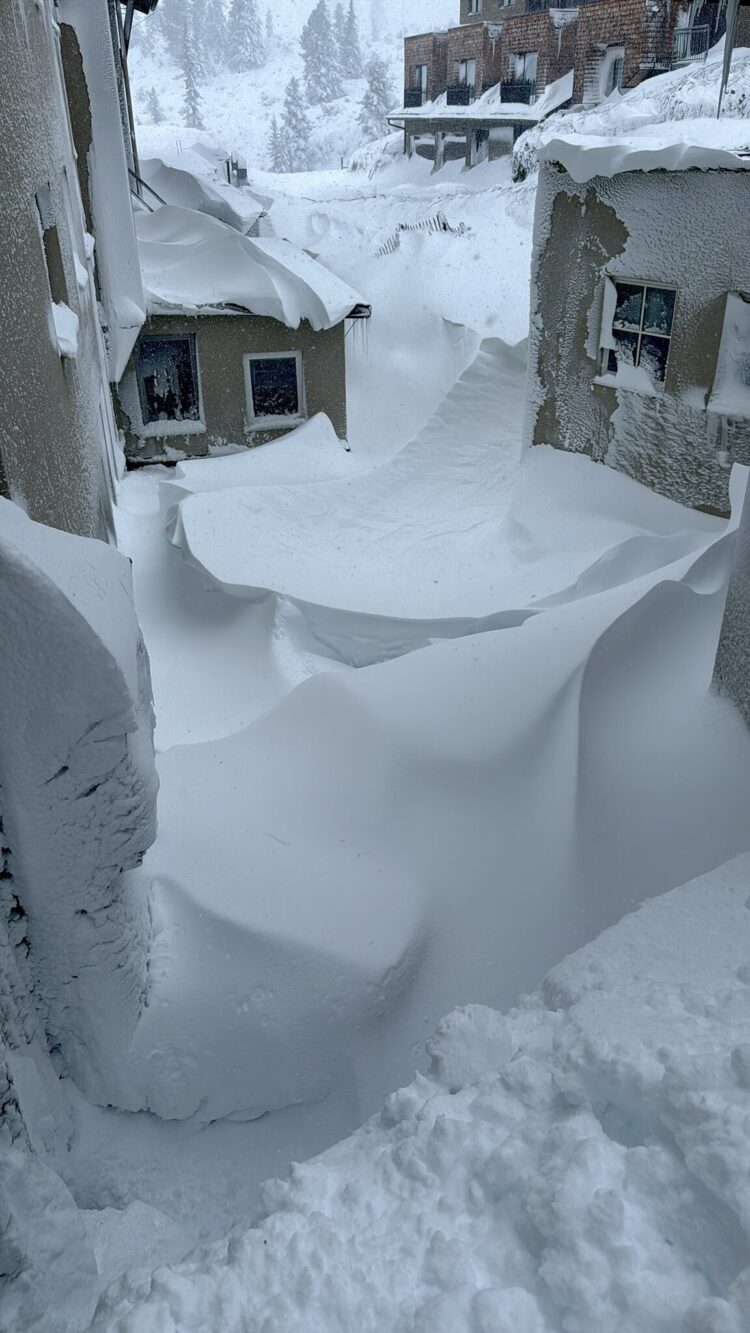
460	94
689	44
414	97
539	6
523	91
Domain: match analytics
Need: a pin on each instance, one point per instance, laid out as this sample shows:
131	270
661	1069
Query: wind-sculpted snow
439	543
389	841
78	791
578	1165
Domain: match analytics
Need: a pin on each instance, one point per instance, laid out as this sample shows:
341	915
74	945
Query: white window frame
131	397
475	6
607	342
255	422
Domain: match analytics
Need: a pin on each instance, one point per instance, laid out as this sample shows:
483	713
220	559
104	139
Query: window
637	328
466	74
523	66
475	6
51	243
274	388
613	66
167	374
419	78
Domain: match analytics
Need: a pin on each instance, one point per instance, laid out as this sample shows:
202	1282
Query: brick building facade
528	44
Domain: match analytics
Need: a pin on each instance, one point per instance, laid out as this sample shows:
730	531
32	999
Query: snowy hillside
237	107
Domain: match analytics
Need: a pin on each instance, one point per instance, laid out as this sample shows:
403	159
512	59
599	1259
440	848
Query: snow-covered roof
667	123
184	189
680	145
491	108
191	261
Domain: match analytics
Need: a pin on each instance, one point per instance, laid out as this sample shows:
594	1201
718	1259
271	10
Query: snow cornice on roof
194	263
584	157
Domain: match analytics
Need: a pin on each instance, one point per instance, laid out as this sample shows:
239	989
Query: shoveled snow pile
579	1165
659	120
190	260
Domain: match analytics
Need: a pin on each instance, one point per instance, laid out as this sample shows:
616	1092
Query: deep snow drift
578	1165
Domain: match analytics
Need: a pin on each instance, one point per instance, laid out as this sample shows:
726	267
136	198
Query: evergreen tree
295	133
191	106
247	49
270	31
154	107
339	26
211	33
351	51
321	57
277	148
377	101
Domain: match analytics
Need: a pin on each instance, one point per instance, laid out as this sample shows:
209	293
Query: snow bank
668	122
409	552
579	1164
78	789
190	260
65	325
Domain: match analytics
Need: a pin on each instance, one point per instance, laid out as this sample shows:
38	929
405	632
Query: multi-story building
72	295
503	54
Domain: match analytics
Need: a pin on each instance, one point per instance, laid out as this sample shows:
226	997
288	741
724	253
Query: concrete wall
658	227
54	409
732	673
221	341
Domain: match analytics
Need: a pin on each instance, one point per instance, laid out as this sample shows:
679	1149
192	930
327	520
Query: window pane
274	384
659	311
654	356
167	382
629	305
624	352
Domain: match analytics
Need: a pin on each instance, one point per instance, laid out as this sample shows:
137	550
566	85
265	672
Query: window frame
254	422
420	77
170	425
475	7
607	345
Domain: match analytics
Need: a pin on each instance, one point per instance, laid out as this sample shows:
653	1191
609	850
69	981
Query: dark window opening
51	243
642	328
167	373
274	386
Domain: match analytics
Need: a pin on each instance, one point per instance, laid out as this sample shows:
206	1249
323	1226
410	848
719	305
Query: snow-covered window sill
274	423
169	427
636	383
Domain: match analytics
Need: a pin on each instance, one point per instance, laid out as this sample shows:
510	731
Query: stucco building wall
55	411
658	227
222	339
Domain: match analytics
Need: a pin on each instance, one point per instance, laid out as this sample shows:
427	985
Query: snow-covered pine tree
351	51
295	132
211	33
277	154
154	107
191	106
247	49
270	30
339	25
321	57
377	101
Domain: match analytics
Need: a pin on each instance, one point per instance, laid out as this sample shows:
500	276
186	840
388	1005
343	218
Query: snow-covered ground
578	1164
430	714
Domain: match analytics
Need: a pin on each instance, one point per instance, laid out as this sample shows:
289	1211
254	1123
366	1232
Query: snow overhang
586	157
193	262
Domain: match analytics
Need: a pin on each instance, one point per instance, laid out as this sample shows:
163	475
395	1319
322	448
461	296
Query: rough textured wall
732	674
658	226
78	787
52	428
221	341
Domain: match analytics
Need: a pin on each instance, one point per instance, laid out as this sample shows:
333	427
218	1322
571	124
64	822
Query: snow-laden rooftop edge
190	261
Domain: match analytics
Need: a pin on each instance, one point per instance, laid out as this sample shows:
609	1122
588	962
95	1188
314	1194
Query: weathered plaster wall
221	341
51	428
659	227
732	673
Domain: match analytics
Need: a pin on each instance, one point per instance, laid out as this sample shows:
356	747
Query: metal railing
512	91
690	44
460	94
539	6
414	97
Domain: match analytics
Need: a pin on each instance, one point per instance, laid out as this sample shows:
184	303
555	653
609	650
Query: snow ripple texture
578	1165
